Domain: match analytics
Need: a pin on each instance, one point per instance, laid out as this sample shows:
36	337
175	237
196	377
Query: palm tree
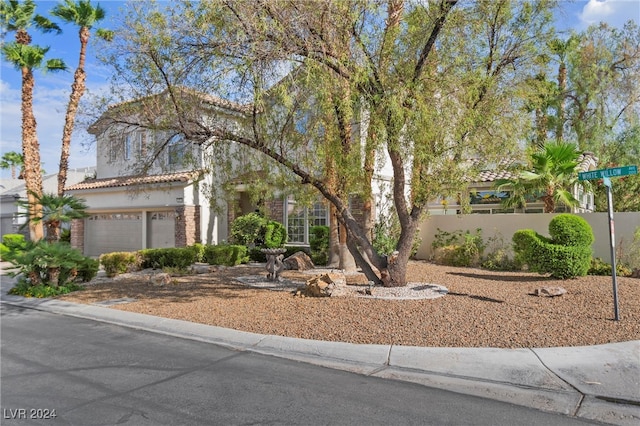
19	17
12	160
553	170
85	16
57	210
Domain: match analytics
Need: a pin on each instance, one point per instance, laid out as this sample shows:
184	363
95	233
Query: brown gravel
482	309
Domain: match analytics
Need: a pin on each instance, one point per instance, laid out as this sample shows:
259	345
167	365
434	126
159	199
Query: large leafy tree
84	15
416	87
12	160
549	176
19	17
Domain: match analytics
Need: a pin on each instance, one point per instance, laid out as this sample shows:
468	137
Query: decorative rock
160	279
326	285
299	261
549	291
202	268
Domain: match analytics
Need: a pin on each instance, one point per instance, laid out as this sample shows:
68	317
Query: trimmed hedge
171	257
226	254
554	255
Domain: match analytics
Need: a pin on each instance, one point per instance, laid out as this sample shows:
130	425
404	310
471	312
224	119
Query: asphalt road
92	373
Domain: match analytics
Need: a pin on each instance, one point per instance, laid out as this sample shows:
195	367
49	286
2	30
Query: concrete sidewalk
599	383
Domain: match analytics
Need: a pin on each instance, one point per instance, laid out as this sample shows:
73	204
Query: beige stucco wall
504	225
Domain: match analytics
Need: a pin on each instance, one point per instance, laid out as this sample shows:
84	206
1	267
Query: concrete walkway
599	383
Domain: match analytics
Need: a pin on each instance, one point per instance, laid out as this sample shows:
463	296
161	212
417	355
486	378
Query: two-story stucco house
167	203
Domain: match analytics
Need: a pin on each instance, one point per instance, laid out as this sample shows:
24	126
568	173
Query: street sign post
606	175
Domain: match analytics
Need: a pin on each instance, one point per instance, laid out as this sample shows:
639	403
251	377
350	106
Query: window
132	145
300	219
178	151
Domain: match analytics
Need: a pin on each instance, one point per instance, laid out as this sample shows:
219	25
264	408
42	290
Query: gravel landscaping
481	309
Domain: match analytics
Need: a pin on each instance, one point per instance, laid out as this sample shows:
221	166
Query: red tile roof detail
123	181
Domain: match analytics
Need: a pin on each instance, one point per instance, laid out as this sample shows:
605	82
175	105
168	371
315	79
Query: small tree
56	210
552	172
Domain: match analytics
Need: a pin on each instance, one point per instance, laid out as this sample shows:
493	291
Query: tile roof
586	161
123	181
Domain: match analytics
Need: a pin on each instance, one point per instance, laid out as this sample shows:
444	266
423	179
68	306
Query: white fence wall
504	226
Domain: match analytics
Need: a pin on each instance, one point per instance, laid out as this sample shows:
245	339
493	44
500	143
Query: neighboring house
484	198
11	190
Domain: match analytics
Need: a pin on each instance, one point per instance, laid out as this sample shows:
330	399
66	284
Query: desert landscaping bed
482	308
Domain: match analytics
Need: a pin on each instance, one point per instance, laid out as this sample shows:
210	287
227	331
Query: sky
51	94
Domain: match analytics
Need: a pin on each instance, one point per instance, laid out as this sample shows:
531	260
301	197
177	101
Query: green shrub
275	234
198	251
553	256
65	235
50	264
630	255
319	244
226	254
120	262
458	248
88	269
11	243
25	289
256	255
179	258
570	230
497	258
600	267
248	230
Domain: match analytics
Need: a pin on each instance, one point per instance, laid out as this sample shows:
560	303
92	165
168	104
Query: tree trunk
334	243
77	89
31	156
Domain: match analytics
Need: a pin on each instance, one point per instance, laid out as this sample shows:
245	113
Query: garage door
106	233
162	229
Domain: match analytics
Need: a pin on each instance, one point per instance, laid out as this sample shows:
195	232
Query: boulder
326	285
549	291
202	268
299	261
160	279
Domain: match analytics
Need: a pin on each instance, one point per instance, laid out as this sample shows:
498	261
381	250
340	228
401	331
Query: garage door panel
161	229
106	233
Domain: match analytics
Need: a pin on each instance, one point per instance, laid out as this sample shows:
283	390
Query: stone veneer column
77	234
187	225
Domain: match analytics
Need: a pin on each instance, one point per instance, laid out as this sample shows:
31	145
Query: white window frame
307	217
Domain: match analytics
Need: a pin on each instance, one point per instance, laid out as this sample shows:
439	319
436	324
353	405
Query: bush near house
567	254
179	258
120	262
49	268
319	244
226	254
256	232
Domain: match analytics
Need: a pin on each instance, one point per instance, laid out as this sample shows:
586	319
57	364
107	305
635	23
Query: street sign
607	173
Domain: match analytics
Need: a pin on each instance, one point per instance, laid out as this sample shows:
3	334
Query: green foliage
248	230
198	251
254	230
458	248
53	264
275	234
179	258
120	262
65	236
630	256
549	255
11	243
497	257
226	254
600	267
25	289
570	230
319	244
56	210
